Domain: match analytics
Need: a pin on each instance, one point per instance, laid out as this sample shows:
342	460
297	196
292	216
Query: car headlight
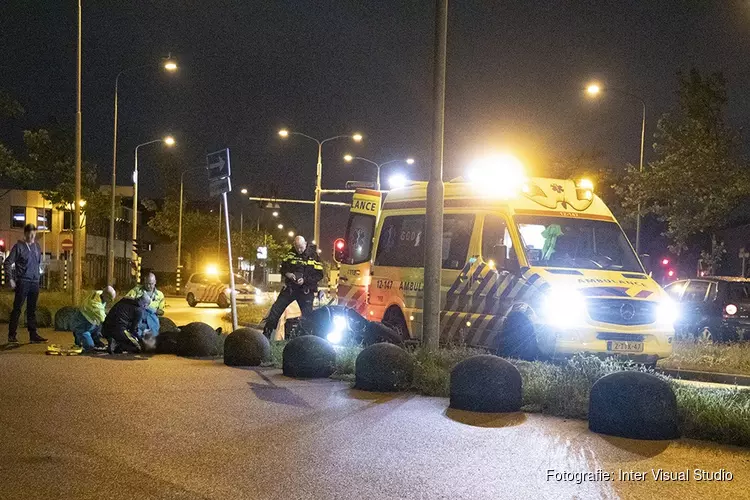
336	335
564	306
667	312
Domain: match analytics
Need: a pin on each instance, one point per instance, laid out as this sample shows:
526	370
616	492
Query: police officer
302	270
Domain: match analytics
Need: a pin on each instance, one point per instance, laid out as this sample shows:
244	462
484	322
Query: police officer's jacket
306	265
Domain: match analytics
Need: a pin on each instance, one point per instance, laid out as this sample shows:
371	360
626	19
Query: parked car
215	288
712	308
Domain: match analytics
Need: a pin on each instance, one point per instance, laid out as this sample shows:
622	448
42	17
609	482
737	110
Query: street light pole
594	89
179	225
78	245
134	229
433	257
378	166
170	65
319	171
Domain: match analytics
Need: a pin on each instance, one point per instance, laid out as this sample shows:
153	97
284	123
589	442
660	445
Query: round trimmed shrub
166	342
197	340
634	405
43	317
486	383
166	325
64	318
384	368
308	356
246	347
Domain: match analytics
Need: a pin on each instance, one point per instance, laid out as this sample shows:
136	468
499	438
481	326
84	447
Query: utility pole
78	245
433	258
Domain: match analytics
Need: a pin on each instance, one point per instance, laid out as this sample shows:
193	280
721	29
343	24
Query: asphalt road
166	427
181	313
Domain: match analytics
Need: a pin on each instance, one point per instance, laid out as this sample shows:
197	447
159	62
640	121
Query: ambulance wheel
223	301
191	300
518	339
394	318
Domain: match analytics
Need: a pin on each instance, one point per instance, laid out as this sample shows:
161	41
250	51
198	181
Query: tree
698	177
51	159
200	231
13	173
9	107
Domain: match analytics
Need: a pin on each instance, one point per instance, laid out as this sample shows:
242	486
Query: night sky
247	68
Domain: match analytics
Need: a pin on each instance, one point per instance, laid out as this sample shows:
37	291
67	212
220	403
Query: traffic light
2	246
665	262
338	249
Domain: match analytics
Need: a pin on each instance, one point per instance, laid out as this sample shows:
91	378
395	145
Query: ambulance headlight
336	335
564	306
667	312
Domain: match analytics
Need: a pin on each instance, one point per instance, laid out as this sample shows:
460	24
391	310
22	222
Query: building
55	236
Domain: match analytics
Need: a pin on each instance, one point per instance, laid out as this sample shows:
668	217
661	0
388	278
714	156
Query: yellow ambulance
533	267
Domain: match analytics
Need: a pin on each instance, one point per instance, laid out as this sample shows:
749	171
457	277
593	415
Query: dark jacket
125	315
27	257
306	265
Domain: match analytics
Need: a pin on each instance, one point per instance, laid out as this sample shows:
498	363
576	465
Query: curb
713	377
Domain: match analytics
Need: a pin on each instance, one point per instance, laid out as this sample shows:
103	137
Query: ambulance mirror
646	261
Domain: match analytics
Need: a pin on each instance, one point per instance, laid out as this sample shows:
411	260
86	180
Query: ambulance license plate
624	346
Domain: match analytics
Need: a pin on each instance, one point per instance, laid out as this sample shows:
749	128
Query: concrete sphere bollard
166	325
43	317
485	383
384	368
246	347
166	341
197	340
634	405
308	356
64	318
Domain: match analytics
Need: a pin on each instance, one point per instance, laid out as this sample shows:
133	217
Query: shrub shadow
375	397
642	447
487	420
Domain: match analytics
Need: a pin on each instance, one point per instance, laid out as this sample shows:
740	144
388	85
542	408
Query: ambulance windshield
576	244
358	238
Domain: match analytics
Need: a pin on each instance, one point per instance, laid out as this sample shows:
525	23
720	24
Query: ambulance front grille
622	311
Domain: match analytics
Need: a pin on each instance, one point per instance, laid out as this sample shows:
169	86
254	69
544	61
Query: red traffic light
339	244
670	273
665	262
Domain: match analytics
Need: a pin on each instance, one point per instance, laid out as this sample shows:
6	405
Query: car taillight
730	309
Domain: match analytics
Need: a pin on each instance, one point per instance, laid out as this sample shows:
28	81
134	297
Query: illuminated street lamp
595	90
243	190
280	226
290	234
378	166
284	133
169	65
275	213
169	141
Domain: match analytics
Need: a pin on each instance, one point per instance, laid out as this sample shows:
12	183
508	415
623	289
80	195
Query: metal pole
233	293
77	243
179	233
640	169
134	229
218	248
316	232
113	208
434	218
378	176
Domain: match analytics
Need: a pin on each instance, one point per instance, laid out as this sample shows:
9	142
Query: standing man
23	266
302	270
156	303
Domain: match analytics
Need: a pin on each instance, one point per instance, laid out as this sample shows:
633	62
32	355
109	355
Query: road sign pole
233	293
433	257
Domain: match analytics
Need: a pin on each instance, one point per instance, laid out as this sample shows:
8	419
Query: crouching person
120	327
150	321
87	322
